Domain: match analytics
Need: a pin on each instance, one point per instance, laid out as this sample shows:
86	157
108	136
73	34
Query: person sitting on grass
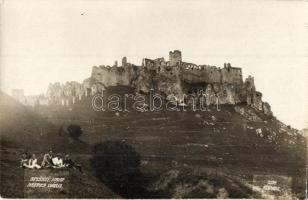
33	163
57	161
68	162
47	159
24	160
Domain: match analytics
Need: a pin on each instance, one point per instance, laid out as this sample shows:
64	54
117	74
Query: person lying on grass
57	161
68	162
49	161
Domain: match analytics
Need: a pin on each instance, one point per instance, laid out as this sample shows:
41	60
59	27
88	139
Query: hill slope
236	142
209	154
23	130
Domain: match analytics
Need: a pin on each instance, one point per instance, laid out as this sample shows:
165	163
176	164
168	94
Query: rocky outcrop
142	81
221	93
248	114
267	109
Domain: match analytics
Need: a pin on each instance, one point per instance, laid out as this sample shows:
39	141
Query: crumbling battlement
190	72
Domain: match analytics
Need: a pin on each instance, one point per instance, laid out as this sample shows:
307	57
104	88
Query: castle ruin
173	77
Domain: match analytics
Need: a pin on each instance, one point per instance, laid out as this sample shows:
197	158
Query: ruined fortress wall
250	84
172	73
213	75
111	76
57	93
203	74
194	76
232	75
149	64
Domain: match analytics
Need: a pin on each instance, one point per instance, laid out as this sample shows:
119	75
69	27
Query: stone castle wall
110	76
189	72
210	74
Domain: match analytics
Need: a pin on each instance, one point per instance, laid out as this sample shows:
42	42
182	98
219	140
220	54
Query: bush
117	165
74	131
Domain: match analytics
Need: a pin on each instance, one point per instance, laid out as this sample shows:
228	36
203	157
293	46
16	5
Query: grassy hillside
210	154
23	130
225	141
20	125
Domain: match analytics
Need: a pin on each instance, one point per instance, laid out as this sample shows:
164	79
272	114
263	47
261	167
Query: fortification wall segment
250	84
203	74
110	76
232	75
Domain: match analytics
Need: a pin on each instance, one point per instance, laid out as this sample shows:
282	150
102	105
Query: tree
117	165
74	131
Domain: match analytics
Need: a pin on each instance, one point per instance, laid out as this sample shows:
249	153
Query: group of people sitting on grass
50	160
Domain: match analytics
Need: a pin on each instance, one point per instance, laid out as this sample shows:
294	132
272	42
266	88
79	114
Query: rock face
174	77
267	109
247	114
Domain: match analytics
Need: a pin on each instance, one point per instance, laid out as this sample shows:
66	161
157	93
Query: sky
60	40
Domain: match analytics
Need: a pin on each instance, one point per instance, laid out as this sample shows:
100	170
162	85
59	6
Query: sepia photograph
145	99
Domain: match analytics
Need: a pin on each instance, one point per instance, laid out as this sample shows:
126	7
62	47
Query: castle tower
124	61
227	65
175	57
143	62
250	83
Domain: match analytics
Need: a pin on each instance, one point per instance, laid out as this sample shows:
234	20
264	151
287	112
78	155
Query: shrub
74	131
117	165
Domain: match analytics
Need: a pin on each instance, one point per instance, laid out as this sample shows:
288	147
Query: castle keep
173	77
